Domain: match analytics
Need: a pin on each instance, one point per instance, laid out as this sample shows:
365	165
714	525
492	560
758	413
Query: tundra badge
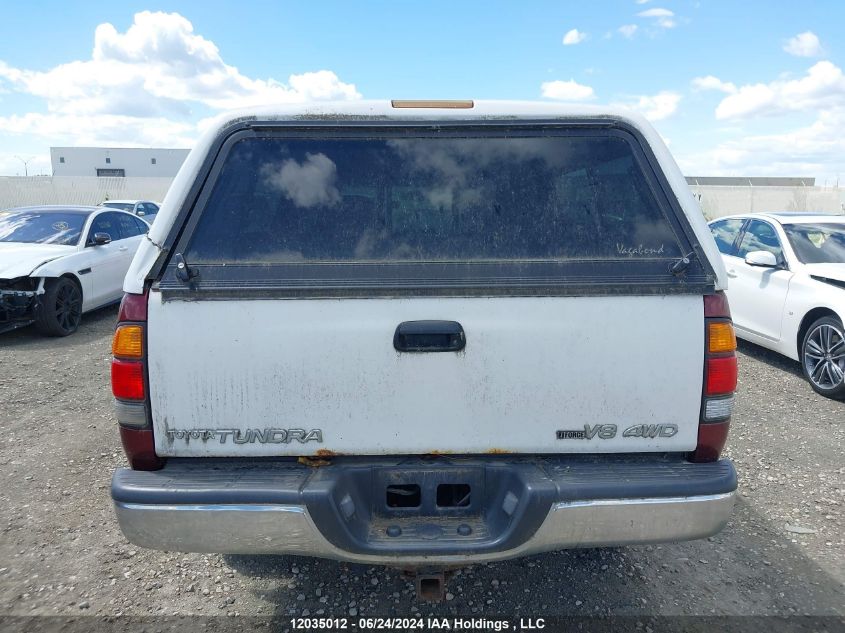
247	436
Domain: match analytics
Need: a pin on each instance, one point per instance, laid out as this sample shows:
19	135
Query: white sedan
142	208
787	288
57	262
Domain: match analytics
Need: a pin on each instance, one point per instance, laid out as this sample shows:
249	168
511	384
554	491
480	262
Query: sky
735	88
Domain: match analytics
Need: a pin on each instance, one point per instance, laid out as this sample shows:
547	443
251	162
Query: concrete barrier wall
23	191
717	201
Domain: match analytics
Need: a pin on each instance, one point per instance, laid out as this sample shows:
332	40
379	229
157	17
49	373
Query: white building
116	161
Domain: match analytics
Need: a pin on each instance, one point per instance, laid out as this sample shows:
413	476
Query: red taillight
720	379
127	379
721	376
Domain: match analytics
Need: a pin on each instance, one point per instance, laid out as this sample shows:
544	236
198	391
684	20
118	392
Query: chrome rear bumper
293	528
278	529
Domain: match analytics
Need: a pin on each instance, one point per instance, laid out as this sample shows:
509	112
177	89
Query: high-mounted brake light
433	103
129	384
720	379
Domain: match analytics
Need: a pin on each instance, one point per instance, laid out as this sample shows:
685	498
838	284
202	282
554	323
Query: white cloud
804	45
814	150
573	36
713	83
817	149
656	13
566	90
656	107
628	30
664	18
143	86
642	1
822	87
107	129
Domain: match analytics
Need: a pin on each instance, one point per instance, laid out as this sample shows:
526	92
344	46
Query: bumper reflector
139	447
711	440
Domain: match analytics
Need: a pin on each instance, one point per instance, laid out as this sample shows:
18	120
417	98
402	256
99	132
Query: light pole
25	163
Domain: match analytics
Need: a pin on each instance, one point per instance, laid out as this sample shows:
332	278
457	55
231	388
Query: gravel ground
61	551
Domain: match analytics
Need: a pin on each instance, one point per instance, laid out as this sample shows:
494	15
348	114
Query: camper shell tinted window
395	210
431	200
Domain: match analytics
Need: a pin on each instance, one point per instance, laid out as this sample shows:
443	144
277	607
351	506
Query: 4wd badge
651	430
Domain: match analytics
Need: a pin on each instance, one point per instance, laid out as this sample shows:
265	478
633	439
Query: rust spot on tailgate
313	463
320	458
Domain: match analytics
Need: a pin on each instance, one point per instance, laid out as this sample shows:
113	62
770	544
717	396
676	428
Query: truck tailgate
269	377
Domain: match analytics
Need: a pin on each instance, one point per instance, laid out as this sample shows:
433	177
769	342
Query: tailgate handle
429	336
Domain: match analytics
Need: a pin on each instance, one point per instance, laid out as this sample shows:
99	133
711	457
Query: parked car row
58	262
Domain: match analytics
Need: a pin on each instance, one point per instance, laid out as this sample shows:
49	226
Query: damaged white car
57	262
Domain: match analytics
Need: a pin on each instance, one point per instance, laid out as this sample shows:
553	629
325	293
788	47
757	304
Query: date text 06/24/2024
417	623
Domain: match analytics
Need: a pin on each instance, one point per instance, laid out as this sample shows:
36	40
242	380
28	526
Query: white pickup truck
425	334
